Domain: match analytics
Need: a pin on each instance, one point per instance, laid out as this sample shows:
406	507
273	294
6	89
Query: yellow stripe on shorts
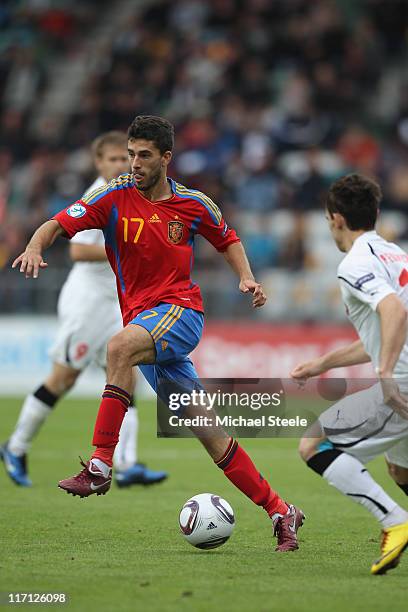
169	325
162	327
162	320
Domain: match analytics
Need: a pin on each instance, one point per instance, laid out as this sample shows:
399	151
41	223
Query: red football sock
240	470
114	405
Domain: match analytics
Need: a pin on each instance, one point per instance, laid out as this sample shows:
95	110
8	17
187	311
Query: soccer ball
206	520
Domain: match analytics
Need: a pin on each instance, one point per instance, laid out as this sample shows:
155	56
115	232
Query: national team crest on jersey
175	231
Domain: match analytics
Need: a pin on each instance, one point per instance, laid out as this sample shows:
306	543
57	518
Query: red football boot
285	529
91	480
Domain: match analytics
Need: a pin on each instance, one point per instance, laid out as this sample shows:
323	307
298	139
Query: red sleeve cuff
63	220
225	245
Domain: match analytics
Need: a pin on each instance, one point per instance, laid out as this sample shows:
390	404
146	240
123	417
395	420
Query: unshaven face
148	165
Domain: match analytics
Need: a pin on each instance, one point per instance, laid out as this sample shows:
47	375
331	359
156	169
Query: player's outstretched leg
36	409
349	476
239	468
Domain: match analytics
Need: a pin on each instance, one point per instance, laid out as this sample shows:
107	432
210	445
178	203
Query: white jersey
371	270
88	308
94	273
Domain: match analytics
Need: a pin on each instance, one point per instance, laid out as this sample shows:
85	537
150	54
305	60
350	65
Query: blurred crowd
271	100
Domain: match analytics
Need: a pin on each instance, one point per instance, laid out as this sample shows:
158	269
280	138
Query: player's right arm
91	212
31	260
350	355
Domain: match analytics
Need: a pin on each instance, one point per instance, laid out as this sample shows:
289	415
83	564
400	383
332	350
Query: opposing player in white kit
373	278
89	315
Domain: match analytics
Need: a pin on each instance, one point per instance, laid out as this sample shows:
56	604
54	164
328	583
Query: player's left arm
214	228
368	281
236	257
79	216
393	322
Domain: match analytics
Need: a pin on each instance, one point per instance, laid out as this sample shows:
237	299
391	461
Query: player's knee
306	448
398	473
116	349
69	379
61	380
119	351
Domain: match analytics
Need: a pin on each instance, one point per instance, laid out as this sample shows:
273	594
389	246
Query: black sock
321	461
45	396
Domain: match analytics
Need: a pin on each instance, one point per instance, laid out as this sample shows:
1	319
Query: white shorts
87	321
363	426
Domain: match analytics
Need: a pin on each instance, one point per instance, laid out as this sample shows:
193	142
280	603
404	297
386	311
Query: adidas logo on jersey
211	526
155	218
164	345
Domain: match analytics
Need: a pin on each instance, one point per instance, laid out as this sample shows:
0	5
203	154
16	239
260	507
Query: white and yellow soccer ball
206	521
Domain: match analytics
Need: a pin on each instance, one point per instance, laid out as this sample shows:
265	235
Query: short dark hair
157	129
113	138
357	199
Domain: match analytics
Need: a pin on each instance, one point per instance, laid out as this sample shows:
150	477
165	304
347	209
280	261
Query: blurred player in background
89	315
150	223
374	284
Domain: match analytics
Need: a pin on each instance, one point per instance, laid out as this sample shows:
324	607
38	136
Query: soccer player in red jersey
150	222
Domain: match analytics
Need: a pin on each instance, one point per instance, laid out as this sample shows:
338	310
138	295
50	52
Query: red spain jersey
149	244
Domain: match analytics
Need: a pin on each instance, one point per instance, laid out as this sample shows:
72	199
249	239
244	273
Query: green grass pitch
124	551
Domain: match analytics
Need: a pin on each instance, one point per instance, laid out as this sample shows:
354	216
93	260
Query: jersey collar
172	184
155	202
365	237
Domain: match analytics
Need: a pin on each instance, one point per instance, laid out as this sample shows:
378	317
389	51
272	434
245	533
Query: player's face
112	162
148	165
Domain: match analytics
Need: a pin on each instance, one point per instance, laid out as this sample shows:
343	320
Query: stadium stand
271	102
